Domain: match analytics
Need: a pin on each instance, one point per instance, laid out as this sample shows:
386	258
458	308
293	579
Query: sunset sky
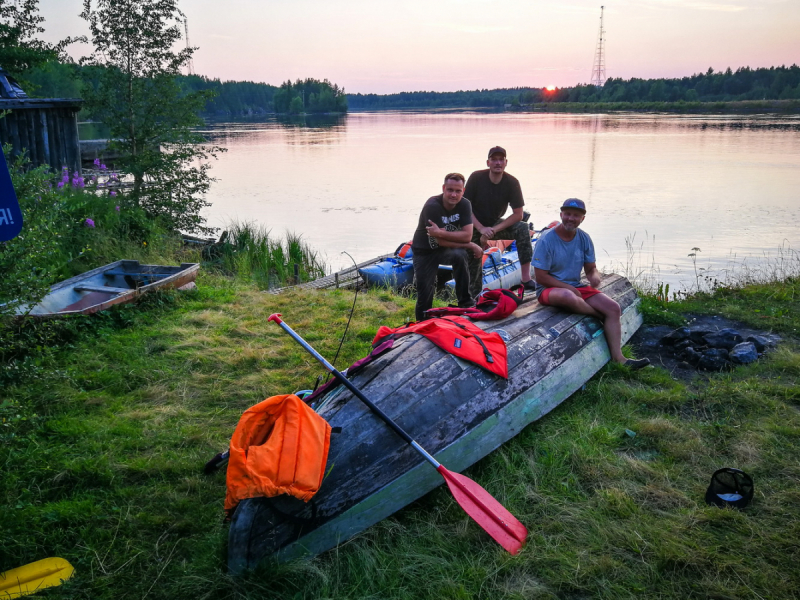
386	46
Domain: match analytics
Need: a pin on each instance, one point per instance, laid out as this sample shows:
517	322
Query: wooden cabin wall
47	133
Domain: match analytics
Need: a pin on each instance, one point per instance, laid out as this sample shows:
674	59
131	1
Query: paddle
487	512
31	578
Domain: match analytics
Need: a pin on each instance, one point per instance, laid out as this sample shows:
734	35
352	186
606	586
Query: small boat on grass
456	410
116	283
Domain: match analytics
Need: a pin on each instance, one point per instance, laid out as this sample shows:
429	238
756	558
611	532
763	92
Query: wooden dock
346	278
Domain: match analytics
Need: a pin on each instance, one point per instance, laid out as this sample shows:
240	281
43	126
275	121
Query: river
657	187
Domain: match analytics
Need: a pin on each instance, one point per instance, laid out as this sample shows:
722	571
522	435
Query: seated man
491	192
443	238
558	258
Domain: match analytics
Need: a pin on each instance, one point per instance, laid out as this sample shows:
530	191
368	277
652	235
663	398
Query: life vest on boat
280	446
404	251
501	245
492	305
459	337
488	252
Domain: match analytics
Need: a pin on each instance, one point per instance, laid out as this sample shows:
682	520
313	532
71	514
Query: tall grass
250	252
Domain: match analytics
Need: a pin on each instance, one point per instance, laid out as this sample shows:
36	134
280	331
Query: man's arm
514	217
592	274
544	278
455	239
461	236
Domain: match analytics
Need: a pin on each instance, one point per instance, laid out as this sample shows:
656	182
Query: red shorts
586	291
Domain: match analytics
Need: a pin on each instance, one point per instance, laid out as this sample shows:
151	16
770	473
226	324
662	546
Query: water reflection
728	185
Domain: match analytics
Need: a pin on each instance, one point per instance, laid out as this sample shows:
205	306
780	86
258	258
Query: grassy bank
102	453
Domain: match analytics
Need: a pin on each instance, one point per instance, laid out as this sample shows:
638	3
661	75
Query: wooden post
336	279
296	273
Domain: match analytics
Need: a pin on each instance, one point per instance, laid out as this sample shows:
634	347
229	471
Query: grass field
103	440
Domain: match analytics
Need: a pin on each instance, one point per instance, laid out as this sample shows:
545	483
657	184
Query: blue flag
10	213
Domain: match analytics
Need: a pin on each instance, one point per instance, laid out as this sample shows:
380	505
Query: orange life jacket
280	446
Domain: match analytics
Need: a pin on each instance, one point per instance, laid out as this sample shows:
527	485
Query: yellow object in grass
31	578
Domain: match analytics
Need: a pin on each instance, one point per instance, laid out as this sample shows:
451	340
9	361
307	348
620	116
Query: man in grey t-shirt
558	258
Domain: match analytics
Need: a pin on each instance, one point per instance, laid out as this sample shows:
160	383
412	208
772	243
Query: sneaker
467	304
529	286
636	364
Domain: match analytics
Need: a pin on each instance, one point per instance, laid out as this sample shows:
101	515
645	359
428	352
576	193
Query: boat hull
119	282
454	409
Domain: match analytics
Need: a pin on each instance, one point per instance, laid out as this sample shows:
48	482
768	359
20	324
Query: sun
551	88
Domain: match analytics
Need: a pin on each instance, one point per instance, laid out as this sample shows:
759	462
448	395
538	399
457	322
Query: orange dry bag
280	446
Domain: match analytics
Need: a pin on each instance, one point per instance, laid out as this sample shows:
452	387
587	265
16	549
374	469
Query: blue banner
10	213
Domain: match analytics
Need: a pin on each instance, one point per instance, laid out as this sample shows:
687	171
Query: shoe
468	304
636	364
529	286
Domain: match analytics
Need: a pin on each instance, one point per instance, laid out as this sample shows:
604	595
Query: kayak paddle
487	512
31	578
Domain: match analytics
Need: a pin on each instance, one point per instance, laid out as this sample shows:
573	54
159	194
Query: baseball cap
497	150
574	203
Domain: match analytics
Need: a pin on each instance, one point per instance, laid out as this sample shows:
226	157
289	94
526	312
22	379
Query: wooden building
46	129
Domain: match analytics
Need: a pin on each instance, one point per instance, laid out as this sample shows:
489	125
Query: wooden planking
245	551
399	457
46	131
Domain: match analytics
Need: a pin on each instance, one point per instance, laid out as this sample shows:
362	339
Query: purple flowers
60	184
117	207
112	193
88	223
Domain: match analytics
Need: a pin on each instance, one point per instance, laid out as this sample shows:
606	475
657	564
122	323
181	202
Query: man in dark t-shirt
491	191
443	238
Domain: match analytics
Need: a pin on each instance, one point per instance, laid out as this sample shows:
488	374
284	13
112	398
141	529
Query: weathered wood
454	409
47	130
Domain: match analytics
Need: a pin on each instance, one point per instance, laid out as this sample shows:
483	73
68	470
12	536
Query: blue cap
574	203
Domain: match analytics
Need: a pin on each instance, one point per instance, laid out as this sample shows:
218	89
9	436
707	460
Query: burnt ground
646	342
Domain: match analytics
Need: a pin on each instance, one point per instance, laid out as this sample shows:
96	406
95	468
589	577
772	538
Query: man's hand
433	229
487	232
484	242
476	250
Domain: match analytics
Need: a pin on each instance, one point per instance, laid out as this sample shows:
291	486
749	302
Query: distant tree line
774	83
226	98
484	98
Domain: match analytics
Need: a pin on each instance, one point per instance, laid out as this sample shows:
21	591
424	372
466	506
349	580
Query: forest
224	98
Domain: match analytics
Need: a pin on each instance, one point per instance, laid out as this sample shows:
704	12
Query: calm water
665	184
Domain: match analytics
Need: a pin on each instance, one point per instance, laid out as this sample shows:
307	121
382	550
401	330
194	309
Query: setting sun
550	88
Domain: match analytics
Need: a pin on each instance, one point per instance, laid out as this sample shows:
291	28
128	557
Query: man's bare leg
611	324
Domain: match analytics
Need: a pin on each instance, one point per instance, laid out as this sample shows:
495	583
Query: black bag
730	487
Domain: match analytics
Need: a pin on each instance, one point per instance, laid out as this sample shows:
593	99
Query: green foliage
249	252
29	263
150	118
309	96
20	23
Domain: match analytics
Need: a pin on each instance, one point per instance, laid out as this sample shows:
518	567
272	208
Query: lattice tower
599	69
189	64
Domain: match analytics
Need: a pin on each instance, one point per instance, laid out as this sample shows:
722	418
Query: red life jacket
492	305
458	337
404	251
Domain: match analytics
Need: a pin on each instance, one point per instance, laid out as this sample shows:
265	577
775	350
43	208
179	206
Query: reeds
250	252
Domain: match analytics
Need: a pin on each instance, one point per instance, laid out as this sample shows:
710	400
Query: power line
599	68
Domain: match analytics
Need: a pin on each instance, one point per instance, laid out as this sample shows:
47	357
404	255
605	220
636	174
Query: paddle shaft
346	382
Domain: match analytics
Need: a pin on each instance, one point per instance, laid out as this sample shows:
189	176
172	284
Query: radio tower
189	63
599	69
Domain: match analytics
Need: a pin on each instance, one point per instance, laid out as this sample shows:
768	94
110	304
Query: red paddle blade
487	512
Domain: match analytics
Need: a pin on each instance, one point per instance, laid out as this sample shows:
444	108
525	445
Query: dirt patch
647	342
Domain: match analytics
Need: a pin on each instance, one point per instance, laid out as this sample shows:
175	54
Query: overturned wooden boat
116	283
455	410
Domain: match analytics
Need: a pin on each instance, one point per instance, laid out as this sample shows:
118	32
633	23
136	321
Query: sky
388	46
